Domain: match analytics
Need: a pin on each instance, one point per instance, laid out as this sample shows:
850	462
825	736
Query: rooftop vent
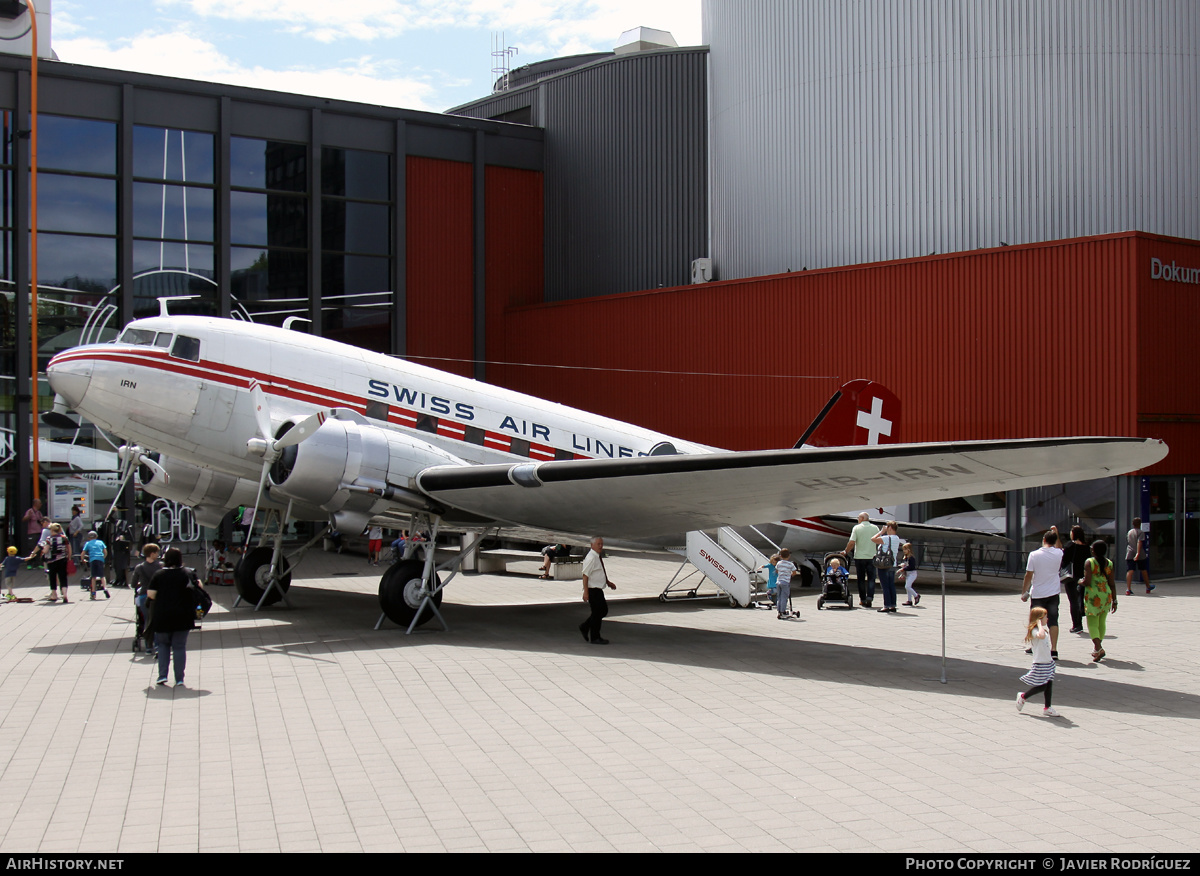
16	31
645	39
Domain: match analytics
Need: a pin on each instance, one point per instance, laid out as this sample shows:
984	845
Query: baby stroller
141	622
835	586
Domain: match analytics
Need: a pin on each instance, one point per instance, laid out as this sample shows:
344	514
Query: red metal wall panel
1004	343
513	254
1167	325
440	274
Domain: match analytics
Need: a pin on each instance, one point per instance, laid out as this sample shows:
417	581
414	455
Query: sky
417	54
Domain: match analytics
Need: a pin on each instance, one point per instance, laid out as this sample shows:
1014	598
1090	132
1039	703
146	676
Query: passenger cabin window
186	348
139	337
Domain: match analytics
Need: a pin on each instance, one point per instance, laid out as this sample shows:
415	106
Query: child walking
784	569
772	575
11	564
908	567
1041	675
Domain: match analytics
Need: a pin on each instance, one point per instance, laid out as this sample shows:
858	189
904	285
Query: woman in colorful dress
1099	596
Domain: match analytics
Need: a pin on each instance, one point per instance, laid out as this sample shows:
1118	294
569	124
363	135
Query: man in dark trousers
595	579
1136	558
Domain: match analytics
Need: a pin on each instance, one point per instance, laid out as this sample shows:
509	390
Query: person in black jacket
143	574
1075	556
173	614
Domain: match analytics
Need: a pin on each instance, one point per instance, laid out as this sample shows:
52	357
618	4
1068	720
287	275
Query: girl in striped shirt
1041	675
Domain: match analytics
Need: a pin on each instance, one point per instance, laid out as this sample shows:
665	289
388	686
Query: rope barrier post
943	568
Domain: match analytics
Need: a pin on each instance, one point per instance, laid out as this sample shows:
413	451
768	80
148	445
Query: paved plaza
701	727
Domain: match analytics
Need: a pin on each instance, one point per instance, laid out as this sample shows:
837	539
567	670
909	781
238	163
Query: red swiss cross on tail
862	412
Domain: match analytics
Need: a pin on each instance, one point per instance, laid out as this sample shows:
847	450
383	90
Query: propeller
131	456
269	446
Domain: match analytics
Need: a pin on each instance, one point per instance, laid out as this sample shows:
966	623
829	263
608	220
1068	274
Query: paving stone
700	728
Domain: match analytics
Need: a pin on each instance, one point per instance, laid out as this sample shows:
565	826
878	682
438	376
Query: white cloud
181	54
591	24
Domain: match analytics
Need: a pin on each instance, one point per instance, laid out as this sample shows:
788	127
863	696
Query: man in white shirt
1042	583
595	579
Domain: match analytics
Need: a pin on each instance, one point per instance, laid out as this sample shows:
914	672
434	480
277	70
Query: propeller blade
161	472
128	456
262	481
262	414
304	429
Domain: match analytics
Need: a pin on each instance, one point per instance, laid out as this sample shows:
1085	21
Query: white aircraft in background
245	414
101	467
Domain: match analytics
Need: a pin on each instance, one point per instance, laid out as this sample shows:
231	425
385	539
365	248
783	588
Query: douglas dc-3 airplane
225	413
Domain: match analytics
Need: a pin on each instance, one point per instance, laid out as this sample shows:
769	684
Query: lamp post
33	259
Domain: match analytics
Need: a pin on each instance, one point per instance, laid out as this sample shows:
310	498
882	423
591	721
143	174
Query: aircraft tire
251	573
398	589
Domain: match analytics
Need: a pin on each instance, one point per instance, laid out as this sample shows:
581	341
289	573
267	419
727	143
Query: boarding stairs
728	561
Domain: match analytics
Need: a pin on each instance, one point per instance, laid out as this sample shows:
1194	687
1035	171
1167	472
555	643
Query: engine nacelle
349	466
190	484
210	494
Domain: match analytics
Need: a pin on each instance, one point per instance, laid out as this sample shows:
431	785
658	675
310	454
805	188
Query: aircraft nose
70	377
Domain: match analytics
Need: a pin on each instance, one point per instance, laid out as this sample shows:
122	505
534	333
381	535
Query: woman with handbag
173	613
56	551
885	564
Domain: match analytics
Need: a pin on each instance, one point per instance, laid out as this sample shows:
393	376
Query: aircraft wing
924	531
658	495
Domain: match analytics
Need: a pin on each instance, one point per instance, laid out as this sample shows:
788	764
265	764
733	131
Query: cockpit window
140	337
186	348
163	339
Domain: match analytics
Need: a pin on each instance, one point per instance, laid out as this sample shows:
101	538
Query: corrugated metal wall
1006	343
513	253
501	103
844	133
440	277
1167	328
626	170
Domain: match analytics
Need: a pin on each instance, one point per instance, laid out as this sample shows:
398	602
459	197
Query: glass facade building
247	204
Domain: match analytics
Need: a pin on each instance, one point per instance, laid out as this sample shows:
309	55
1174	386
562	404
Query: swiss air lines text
582	445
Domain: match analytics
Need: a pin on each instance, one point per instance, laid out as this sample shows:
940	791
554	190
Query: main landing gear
410	592
257	582
264	574
402	594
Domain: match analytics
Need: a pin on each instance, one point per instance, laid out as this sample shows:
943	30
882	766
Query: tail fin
861	412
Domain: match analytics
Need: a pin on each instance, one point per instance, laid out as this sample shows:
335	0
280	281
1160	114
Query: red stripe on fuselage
241	378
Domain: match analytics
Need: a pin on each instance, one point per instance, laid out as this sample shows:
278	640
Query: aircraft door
214	406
